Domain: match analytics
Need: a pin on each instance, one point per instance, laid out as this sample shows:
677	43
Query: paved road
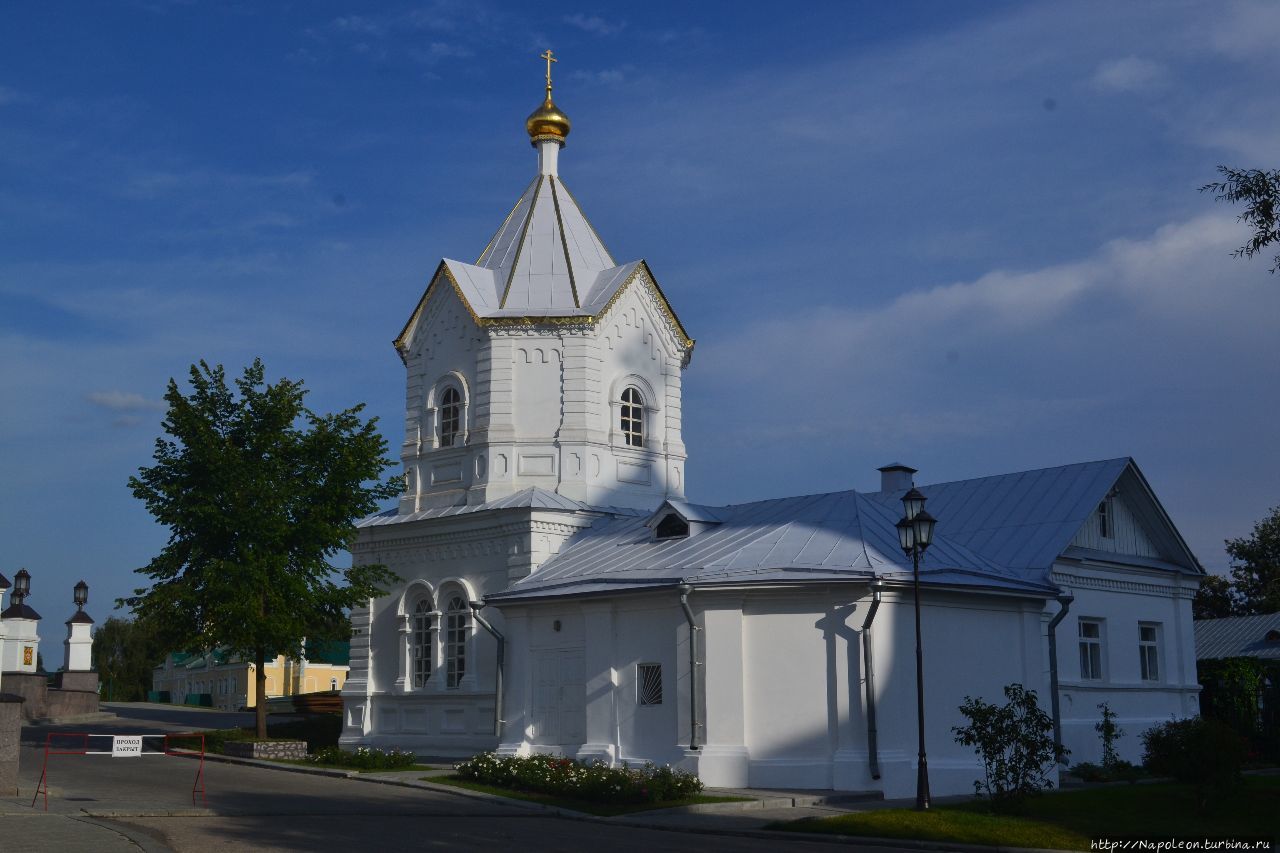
104	804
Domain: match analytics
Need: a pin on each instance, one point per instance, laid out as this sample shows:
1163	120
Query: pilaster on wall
600	683
516	686
495	391
357	692
725	759
582	395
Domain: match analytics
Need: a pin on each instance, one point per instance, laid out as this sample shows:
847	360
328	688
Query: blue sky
966	236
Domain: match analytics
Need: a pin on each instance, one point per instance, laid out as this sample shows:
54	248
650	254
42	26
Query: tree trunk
260	690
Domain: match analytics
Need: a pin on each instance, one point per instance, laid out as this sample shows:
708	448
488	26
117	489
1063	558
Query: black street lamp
21	586
915	534
81	591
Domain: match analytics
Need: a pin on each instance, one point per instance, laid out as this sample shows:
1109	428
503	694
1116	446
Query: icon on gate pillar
27	651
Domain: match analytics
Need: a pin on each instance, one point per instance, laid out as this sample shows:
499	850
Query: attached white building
544	479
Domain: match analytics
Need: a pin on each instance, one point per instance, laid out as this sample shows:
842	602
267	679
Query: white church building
559	594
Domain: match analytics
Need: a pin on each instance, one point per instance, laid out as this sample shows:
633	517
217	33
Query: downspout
868	666
1065	600
502	656
693	665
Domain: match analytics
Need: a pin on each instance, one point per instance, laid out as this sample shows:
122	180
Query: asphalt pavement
104	804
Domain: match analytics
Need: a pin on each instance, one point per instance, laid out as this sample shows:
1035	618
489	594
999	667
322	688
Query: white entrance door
559	698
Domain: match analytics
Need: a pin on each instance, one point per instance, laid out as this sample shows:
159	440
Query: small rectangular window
649	683
1149	650
1105	528
1090	649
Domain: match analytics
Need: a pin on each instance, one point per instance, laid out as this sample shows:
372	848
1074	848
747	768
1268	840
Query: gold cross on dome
550	59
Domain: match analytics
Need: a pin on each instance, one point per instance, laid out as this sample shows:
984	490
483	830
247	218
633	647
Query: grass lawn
602	809
1068	820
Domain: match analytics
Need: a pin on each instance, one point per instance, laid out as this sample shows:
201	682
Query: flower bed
363	758
592	781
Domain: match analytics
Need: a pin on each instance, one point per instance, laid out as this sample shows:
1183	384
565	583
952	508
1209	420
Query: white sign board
126	746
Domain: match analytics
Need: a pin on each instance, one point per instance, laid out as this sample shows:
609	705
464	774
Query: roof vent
896	477
1273	636
671	527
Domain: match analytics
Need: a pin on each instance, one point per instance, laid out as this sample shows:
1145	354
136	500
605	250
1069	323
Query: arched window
423	642
457	625
450	417
632	418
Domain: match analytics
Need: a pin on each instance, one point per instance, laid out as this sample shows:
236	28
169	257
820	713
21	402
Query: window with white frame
457	626
631	421
1090	649
649	683
1149	650
423	639
450	417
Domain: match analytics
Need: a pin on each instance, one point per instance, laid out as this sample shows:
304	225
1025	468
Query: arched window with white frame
424	642
631	417
457	627
450	417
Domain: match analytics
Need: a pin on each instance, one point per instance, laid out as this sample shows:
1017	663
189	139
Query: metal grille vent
649	682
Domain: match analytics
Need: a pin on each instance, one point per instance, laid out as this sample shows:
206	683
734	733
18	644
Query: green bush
1199	751
1118	771
364	758
1015	742
592	781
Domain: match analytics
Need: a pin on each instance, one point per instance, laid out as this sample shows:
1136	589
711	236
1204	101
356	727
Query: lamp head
913	502
81	591
21	585
906	535
923	524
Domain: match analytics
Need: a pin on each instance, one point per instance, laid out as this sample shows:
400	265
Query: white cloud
594	24
1130	74
124	401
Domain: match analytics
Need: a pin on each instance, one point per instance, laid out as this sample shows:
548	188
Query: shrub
1109	732
1015	742
364	758
1201	752
1117	771
592	781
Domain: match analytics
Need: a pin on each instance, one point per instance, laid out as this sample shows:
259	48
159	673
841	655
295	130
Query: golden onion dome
547	122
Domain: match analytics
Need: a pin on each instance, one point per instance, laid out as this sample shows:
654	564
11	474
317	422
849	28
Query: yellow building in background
226	682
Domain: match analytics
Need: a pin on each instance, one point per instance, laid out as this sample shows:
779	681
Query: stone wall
290	749
79	697
10	740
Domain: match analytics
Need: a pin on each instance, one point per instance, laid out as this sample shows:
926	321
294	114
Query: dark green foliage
1015	742
592	781
1260	191
1244	693
1109	733
364	758
1200	752
1215	599
1117	771
1255	567
320	731
259	494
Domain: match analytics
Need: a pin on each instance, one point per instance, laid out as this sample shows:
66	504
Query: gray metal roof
831	537
531	498
1025	520
1004	531
1238	637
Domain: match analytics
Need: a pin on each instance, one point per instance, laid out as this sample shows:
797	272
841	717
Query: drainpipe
1065	600
502	655
868	665
684	590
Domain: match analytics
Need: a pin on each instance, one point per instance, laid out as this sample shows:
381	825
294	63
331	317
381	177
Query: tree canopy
1254	586
260	494
125	652
1260	192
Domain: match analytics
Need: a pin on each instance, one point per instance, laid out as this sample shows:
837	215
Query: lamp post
915	533
81	591
21	586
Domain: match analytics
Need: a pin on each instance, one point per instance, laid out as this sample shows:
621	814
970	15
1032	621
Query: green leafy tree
1109	733
260	494
1259	190
1255	567
1015	743
125	653
1215	599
